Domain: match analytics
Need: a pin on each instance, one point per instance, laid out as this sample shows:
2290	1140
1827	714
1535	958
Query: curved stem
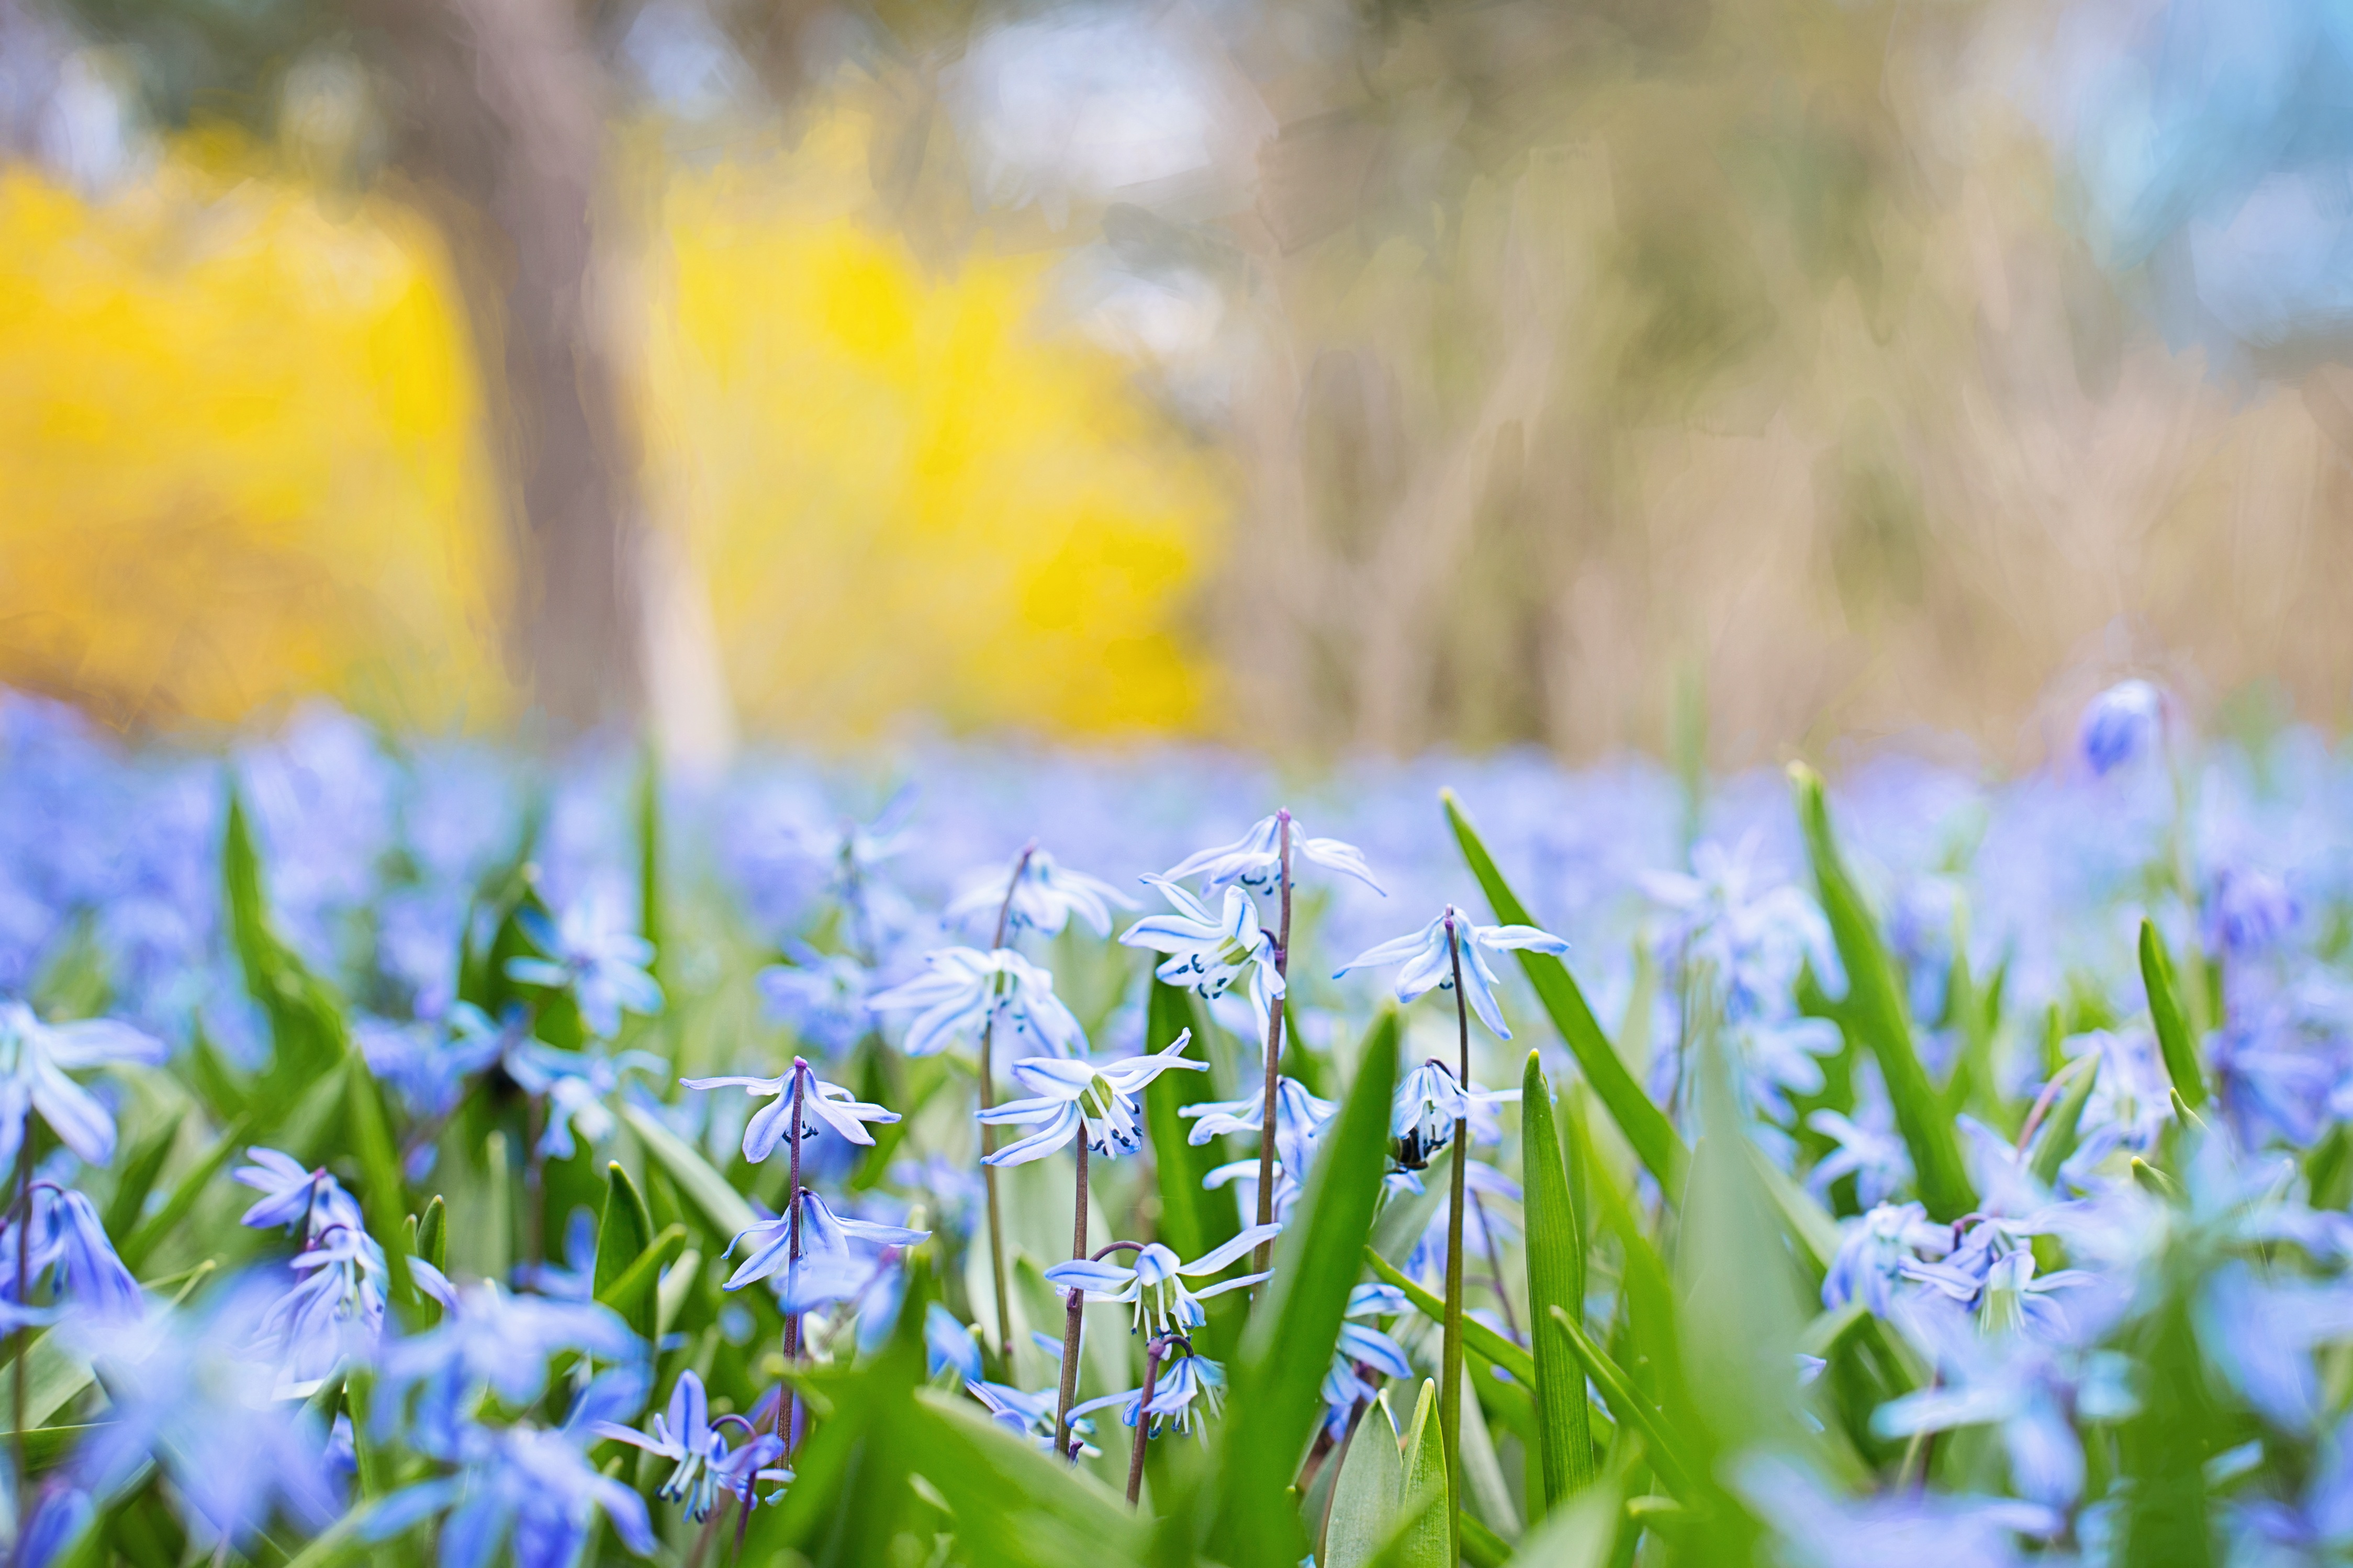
1153	1351
1449	1393
988	1134
1073	1321
1265	1252
23	1267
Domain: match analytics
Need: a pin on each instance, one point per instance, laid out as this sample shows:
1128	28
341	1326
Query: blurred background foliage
1304	373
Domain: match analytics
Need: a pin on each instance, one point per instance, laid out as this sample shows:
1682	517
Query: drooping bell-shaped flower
1067	1097
1429	957
1154	1283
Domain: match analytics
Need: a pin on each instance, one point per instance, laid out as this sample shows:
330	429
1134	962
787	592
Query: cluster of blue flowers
601	1130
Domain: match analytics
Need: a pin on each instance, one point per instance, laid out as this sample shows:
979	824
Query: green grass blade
1650	1135
1477	1337
631	1291
1424	1536
1875	1010
720	1206
433	1233
1668	1455
2174	1039
1287	1348
2057	1139
1556	1258
141	1167
1191	1220
384	1199
141	1243
624	1230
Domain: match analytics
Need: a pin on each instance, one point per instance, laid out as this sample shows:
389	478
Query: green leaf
141	1166
2057	1139
1874	1010
433	1233
1477	1337
1010	1503
2174	1040
648	814
1668	1454
1192	1220
626	1229
1802	1215
307	1031
631	1291
384	1200
141	1243
1482	1547
1647	1132
1364	1498
1424	1534
1287	1348
1556	1260
1583	1534
722	1208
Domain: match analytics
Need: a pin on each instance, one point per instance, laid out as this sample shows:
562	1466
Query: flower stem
1449	1393
1495	1263
1073	1319
1265	1253
988	1133
23	1267
1153	1351
786	1407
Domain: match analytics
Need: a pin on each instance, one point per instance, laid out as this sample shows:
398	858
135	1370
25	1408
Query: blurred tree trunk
501	121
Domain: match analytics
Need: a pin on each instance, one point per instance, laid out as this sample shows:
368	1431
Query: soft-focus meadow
1249	782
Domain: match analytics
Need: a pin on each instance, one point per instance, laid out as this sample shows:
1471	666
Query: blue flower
1429	959
1255	859
591	954
1362	1344
1873	1251
1184	1379
948	1345
1868	1150
574	1084
1209	954
1296	1112
1066	1096
822	998
2121	725
965	989
1027	1415
1820	1529
828	1241
66	1236
491	1342
2247	911
527	1487
187	1393
822	1105
1045	896
2025	1388
292	1195
34	1060
1428	1103
1154	1283
703	1462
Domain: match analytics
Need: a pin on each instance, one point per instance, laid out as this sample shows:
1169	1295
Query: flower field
424	1153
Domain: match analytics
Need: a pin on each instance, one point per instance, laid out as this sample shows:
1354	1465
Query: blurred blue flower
292	1196
34	1060
2247	911
949	1345
1817	1529
966	991
1072	1095
1432	957
592	954
527	1489
2121	725
2032	1391
1873	1251
489	1342
821	997
1045	896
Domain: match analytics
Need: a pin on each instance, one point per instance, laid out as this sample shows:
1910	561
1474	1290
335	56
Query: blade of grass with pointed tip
1647	1132
1555	1259
1364	1498
623	1230
433	1233
1423	1538
2174	1040
1191	1221
2057	1139
720	1206
1286	1349
141	1243
1875	1008
631	1291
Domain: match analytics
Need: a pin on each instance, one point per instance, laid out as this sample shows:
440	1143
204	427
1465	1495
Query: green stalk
1450	1394
1073	1319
